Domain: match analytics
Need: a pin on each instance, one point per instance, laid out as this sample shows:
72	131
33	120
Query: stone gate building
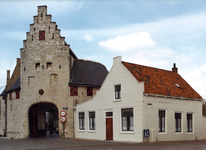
47	79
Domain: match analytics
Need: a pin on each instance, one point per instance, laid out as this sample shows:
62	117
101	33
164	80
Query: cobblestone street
76	144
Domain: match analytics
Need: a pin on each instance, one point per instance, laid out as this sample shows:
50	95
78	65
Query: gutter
173	97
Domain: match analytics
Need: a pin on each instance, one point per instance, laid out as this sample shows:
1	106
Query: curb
6	138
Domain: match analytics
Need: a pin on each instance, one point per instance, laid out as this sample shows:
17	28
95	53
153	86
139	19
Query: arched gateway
43	120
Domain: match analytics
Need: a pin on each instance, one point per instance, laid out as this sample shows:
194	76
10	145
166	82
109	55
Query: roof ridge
148	66
89	61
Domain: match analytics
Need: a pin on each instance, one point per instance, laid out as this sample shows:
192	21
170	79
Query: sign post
146	133
63	120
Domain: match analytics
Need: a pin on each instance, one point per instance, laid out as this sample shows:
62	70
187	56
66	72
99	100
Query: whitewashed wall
2	118
171	106
131	97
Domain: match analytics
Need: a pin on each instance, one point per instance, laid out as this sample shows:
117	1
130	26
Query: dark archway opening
43	120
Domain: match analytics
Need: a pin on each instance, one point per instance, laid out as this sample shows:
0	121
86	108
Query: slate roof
161	82
15	86
4	92
87	73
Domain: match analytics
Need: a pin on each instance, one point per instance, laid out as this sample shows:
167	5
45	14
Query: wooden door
109	128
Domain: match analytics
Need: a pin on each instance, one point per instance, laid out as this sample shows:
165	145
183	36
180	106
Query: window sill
117	100
127	132
81	130
178	132
162	132
91	131
190	132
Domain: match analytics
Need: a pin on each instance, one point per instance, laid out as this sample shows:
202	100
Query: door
109	128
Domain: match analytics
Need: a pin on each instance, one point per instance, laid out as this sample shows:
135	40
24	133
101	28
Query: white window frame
162	132
192	113
118	99
79	121
127	131
182	125
89	121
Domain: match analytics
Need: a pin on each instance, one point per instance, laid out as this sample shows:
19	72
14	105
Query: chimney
174	69
18	60
8	77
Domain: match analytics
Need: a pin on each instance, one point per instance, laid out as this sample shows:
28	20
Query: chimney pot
175	69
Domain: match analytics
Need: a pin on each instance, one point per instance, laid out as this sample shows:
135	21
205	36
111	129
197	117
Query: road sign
63	119
63	113
146	132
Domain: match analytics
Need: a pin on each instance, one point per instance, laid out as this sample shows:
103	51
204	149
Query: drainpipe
7	82
5	126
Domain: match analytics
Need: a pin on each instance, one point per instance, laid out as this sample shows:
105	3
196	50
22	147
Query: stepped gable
162	82
87	73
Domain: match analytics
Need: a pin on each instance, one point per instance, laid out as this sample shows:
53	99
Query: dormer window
177	85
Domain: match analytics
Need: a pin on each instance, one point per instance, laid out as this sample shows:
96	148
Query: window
17	94
49	65
31	81
10	96
73	91
89	91
41	35
81	121
109	114
52	35
189	123
127	119
91	120
37	66
53	79
178	117
161	120
117	91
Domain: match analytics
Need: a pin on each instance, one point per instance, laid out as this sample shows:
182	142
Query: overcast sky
155	33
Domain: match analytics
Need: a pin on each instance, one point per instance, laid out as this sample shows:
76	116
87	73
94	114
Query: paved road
76	144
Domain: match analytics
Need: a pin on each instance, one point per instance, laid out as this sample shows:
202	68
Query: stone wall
46	62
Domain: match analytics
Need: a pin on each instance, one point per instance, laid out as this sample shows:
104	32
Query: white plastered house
135	97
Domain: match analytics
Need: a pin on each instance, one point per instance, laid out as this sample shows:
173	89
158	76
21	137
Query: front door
109	128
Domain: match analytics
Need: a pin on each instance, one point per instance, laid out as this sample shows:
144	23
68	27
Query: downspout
5	127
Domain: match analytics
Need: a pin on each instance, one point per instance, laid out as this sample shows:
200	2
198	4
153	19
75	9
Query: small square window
37	66
117	91
49	65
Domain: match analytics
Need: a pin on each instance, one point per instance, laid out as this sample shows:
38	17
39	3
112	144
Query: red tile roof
161	82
